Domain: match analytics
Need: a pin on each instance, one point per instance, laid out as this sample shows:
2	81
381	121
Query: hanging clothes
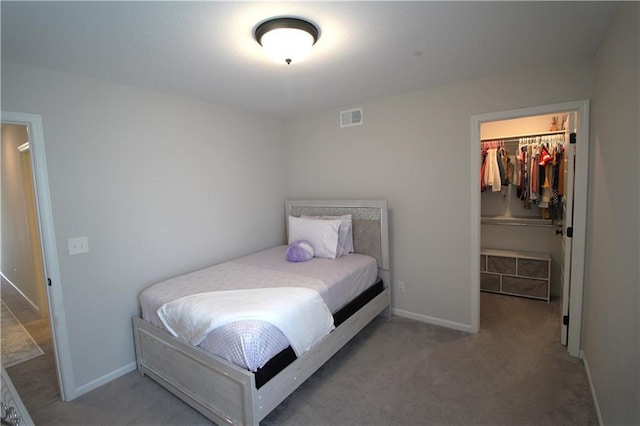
497	169
540	160
536	170
555	205
561	169
492	171
535	173
512	171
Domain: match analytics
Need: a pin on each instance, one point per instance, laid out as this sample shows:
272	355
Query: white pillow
347	243
345	237
323	234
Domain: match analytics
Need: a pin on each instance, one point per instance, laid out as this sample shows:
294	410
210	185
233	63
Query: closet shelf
518	221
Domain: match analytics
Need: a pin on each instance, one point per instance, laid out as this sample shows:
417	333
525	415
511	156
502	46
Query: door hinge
572	138
570	231
565	320
49	281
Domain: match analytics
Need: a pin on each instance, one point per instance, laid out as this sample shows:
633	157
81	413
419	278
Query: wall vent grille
352	117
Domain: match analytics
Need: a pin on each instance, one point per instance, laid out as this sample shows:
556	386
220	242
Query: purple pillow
300	251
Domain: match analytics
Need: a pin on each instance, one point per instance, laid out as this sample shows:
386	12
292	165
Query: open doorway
45	298
28	354
523	191
567	253
522	210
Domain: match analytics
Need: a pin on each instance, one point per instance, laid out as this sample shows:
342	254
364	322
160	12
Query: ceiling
366	50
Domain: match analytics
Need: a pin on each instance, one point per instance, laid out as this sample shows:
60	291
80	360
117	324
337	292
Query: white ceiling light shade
286	40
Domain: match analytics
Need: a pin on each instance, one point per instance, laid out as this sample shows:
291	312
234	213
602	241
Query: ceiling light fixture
286	40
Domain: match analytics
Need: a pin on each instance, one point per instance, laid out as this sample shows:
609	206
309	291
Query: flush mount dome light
286	40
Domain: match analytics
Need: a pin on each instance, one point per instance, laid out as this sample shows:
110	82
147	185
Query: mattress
250	344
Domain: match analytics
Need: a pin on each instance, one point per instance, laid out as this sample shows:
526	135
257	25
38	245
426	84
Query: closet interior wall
505	203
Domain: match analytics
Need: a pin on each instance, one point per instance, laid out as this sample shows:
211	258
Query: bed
233	388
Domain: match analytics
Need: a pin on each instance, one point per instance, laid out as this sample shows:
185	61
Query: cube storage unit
516	273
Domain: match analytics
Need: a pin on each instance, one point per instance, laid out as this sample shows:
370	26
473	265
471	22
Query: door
567	223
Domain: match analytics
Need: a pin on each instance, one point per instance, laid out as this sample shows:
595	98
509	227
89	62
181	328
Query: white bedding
250	344
299	313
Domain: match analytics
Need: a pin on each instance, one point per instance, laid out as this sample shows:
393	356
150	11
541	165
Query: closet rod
538	225
542	223
517	138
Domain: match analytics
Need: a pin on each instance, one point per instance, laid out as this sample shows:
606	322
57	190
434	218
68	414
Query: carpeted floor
402	372
396	372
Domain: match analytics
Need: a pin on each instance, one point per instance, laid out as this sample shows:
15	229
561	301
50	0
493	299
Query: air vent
352	117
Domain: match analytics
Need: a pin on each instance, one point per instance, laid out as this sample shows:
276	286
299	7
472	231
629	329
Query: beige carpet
17	344
395	372
514	372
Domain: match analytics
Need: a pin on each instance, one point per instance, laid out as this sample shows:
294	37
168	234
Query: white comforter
251	344
299	313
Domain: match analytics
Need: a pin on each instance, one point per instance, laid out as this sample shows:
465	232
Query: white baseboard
24	296
432	320
593	390
94	384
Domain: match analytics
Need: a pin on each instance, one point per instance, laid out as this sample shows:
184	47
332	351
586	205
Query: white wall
413	150
161	185
611	343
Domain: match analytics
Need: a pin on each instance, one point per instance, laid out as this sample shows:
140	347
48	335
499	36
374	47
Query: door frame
579	210
44	213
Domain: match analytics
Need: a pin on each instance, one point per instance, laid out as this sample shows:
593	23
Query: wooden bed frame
226	393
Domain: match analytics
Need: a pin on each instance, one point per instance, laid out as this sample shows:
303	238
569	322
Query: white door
567	222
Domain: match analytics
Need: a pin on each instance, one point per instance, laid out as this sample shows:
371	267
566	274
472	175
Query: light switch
78	245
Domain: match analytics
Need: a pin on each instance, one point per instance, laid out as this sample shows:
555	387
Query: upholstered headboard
369	221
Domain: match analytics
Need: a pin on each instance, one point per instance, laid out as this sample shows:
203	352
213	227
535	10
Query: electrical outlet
401	286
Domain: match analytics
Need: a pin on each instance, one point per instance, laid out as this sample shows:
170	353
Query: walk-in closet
523	188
